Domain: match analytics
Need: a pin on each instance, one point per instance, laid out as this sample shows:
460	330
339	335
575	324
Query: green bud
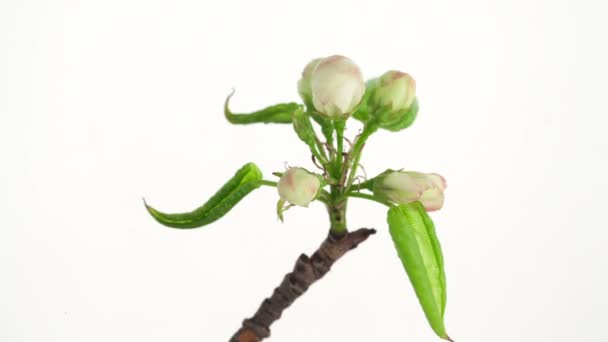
396	121
390	101
396	91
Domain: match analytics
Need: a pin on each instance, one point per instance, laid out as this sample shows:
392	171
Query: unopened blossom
395	90
408	186
304	87
298	186
336	85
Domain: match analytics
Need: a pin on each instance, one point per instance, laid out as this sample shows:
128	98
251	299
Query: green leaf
413	233
245	180
279	113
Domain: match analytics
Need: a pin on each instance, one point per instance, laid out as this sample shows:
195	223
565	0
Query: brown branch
305	273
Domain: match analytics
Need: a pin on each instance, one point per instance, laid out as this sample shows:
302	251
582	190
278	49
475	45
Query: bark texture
306	271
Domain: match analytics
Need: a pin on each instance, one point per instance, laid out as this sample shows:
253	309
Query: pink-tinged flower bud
298	186
407	186
395	90
304	87
337	86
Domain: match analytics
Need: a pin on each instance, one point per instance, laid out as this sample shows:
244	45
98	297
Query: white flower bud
408	186
395	90
298	186
304	87
337	86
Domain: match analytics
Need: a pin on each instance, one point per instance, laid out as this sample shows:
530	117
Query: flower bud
396	91
304	87
407	186
298	186
337	86
432	198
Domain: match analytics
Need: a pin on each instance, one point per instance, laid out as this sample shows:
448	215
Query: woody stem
306	271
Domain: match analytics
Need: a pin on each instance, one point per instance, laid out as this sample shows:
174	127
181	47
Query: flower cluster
334	88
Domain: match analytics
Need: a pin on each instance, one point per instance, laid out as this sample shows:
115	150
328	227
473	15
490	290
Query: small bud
396	90
298	186
337	86
304	87
407	186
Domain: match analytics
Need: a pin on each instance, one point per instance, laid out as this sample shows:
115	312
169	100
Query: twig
305	272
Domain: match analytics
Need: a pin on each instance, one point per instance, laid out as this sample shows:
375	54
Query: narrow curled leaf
245	180
279	113
413	233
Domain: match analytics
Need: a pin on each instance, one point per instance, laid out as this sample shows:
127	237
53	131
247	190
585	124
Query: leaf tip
150	209
145	204
227	112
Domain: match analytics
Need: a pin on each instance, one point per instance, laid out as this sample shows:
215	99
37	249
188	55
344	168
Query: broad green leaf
279	113
413	233
245	180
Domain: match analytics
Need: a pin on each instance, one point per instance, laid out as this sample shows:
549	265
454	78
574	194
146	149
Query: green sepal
303	127
280	113
280	209
363	111
245	180
396	121
413	234
385	117
367	185
327	127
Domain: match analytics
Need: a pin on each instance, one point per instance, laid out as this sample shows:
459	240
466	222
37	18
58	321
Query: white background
105	102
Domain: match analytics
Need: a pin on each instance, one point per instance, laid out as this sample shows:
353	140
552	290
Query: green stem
369	197
321	149
357	148
367	185
336	208
337	212
268	183
315	151
339	126
326	126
